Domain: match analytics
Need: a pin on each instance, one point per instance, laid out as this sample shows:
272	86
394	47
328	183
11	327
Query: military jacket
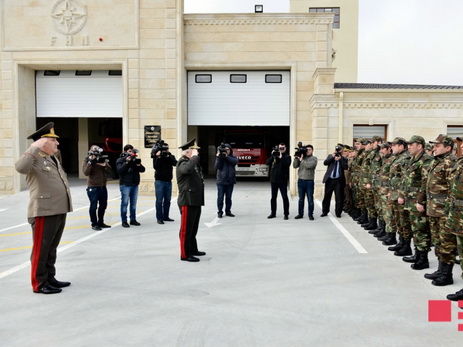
365	169
376	164
455	221
397	174
47	182
356	167
383	176
414	181
190	182
437	185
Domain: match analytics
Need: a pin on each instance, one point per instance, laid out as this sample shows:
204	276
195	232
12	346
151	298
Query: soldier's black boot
405	250
373	224
397	246
381	233
391	240
358	215
413	258
378	228
435	274
422	262
367	223
446	276
457	296
363	217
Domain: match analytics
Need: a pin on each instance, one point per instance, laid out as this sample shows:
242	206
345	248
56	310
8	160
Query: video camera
301	150
338	149
98	156
276	151
160	146
222	150
132	156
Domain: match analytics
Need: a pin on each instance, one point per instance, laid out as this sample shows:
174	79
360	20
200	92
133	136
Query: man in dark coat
190	199
279	164
334	181
226	178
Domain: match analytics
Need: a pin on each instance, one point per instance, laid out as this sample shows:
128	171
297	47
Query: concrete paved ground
262	283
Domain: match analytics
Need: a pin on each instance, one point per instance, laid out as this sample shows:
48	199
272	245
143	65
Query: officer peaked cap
190	145
45	131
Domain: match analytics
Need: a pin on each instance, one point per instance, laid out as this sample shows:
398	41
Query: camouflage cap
376	138
428	147
444	139
363	140
417	139
399	141
385	145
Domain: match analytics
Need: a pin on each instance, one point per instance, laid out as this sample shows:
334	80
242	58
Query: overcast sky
400	41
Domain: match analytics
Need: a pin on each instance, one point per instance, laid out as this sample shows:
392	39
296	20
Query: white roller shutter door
255	102
68	95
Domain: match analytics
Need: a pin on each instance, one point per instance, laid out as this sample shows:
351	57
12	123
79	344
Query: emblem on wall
69	16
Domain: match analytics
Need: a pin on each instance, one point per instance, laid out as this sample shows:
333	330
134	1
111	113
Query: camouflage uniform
396	175
366	179
386	205
376	164
355	179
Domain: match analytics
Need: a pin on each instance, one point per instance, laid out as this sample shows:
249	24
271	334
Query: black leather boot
391	240
378	228
457	296
380	234
373	224
397	246
405	250
445	277
422	262
435	274
363	217
413	258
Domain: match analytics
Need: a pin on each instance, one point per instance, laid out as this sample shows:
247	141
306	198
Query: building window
115	73
238	78
83	72
203	78
368	131
335	10
273	78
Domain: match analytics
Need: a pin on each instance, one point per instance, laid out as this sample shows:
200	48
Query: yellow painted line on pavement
29	247
27	232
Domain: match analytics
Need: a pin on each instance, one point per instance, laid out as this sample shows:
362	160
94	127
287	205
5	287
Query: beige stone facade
155	45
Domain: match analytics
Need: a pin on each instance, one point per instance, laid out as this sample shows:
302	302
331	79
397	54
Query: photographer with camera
163	163
95	167
279	163
306	163
226	178
334	180
129	168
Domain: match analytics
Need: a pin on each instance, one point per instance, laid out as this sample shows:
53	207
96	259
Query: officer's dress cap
45	131
190	145
444	139
417	139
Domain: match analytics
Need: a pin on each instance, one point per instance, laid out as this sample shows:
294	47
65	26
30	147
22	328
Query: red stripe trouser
188	230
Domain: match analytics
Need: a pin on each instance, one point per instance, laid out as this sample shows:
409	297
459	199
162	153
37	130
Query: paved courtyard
263	282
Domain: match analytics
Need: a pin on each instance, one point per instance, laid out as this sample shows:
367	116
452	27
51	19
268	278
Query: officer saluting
50	200
190	199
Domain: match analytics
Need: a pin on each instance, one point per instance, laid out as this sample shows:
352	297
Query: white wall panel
67	95
252	103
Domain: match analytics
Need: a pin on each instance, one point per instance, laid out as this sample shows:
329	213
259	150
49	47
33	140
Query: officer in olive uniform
50	201
437	207
190	199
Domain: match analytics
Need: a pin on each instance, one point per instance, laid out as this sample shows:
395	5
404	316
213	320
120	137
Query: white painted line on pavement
344	231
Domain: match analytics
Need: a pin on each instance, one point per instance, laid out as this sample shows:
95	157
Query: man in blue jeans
129	168
163	164
225	163
306	163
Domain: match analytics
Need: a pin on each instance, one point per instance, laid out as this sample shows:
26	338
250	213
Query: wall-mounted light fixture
258	8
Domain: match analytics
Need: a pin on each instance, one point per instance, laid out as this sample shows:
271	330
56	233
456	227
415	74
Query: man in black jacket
163	163
334	180
226	178
279	164
190	199
129	168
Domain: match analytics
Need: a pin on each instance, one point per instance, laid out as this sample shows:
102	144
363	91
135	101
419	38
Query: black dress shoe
134	222
271	216
96	227
286	217
160	221
168	219
338	215
324	215
298	216
229	214
48	289
219	214
311	217
102	225
199	253
125	225
191	259
59	284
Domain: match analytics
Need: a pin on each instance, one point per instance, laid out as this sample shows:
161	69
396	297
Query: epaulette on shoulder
42	155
